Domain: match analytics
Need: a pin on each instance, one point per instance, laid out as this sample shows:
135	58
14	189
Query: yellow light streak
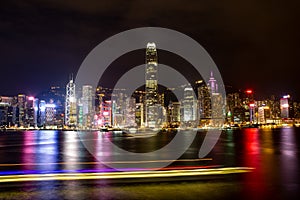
123	175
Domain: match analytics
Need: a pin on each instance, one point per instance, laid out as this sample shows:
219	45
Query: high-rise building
3	114
119	108
151	97
284	106
189	105
50	112
7	117
263	114
204	102
30	112
21	105
139	114
106	114
36	111
80	114
174	114
42	113
87	105
217	102
70	106
130	112
235	109
213	83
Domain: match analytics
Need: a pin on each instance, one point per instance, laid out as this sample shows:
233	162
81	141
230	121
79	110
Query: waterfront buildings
201	106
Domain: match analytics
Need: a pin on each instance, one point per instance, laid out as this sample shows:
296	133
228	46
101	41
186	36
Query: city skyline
194	109
254	43
160	99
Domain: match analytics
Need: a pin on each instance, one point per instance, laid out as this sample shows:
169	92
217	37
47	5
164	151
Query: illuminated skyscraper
79	114
8	113
50	112
87	105
70	107
284	106
106	118
41	113
21	105
3	113
139	114
204	102
130	112
29	112
189	105
174	114
213	83
151	97
217	102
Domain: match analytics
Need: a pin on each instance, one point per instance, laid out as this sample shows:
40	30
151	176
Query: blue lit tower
151	97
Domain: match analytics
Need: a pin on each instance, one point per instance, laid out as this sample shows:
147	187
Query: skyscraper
139	114
30	112
71	107
189	105
21	105
204	99
3	113
50	112
151	97
213	83
130	112
87	105
217	102
41	113
284	106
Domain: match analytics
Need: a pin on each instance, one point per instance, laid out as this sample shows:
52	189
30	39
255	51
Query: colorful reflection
268	152
254	183
70	151
47	149
29	150
39	150
289	161
100	149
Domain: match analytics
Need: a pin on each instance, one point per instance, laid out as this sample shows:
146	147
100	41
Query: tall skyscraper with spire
71	107
151	97
217	102
213	83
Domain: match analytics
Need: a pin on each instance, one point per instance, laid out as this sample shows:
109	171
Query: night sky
255	43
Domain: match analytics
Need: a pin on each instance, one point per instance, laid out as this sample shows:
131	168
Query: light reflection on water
275	156
70	150
273	153
254	182
40	147
289	159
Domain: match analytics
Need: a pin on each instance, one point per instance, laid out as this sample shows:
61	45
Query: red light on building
249	91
